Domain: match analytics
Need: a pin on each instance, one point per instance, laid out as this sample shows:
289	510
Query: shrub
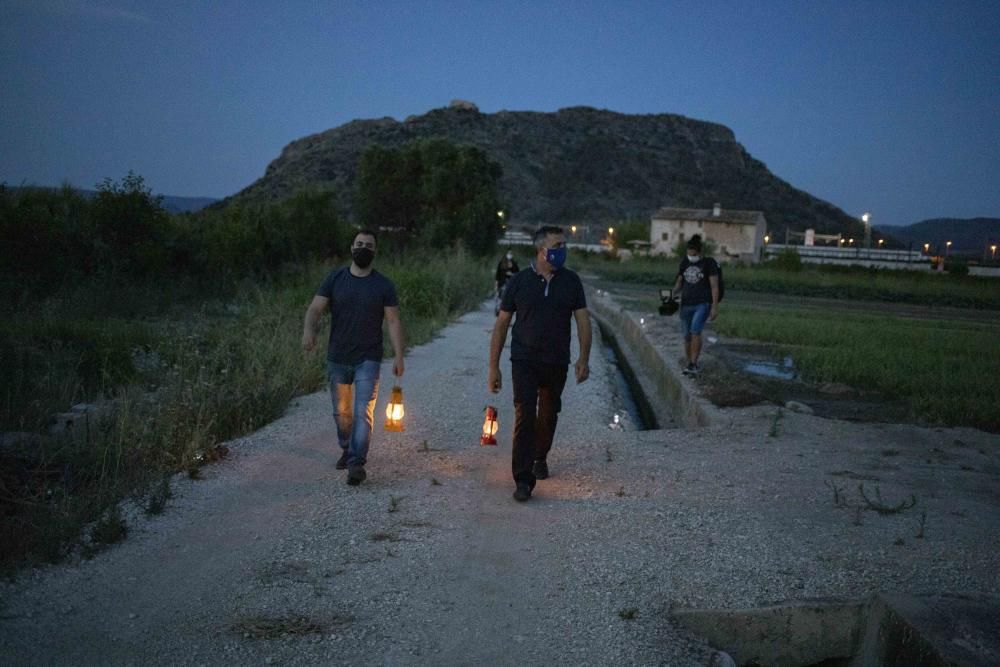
786	260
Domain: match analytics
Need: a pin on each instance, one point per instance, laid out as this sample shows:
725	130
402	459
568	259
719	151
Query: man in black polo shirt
545	297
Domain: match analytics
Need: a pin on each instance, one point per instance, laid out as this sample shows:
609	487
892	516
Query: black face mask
362	257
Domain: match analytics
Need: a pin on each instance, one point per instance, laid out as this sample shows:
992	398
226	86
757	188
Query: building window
665	236
700	224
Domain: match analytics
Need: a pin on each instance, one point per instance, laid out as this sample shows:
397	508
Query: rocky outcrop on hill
575	165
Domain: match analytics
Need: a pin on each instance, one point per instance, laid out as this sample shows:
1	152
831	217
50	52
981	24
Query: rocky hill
575	165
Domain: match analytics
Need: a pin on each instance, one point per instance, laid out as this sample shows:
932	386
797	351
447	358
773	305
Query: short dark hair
544	231
367	232
695	242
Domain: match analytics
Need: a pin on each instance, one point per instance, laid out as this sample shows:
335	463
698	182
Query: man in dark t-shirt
546	297
358	298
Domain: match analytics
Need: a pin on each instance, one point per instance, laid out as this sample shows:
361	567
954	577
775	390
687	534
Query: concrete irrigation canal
680	534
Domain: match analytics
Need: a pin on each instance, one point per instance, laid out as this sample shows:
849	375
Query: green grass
947	371
181	376
916	287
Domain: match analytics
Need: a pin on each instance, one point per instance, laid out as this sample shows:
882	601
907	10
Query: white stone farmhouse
737	235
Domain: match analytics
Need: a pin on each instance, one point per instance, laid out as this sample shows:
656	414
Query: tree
434	191
128	228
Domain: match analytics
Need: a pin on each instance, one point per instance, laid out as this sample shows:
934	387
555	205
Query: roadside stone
796	406
835	389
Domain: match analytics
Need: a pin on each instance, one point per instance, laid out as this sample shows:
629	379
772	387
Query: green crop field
927	340
947	371
848	283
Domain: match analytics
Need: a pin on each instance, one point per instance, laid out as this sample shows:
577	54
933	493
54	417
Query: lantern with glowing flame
490	427
394	411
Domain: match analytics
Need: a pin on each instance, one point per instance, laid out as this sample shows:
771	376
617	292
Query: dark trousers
537	401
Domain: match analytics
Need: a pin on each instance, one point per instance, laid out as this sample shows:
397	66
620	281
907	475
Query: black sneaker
356	475
342	461
541	469
522	493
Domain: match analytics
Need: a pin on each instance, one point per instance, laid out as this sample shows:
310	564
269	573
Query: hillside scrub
849	283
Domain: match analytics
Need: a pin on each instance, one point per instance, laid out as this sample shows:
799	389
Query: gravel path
272	559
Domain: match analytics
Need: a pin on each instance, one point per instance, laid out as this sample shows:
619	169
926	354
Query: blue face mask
556	257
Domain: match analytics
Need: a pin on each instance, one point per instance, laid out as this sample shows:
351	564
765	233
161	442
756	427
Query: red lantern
394	411
490	427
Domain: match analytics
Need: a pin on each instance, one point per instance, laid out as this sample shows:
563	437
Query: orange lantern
394	411
490	427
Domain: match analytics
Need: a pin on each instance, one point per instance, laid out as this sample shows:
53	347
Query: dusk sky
888	107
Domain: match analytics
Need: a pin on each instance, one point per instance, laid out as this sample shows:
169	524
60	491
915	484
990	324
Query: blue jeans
354	390
693	319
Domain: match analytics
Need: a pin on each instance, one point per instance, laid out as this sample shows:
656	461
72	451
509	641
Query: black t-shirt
695	288
543	313
356	311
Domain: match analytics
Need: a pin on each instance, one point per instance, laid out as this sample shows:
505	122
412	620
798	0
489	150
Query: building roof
705	214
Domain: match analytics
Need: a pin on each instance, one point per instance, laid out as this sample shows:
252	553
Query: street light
993	251
767	239
611	231
573	229
880	242
947	248
927	248
865	218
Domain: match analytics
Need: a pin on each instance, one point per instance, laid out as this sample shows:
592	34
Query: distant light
573	229
927	247
500	214
767	238
866	217
948	243
611	230
850	241
881	241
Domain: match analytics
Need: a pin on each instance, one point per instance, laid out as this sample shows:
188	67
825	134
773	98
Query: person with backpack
698	282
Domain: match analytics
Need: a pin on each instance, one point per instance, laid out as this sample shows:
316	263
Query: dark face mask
556	257
362	257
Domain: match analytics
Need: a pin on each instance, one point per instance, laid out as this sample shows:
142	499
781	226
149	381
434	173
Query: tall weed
175	387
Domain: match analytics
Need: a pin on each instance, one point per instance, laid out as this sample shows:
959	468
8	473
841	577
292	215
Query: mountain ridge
577	164
970	236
